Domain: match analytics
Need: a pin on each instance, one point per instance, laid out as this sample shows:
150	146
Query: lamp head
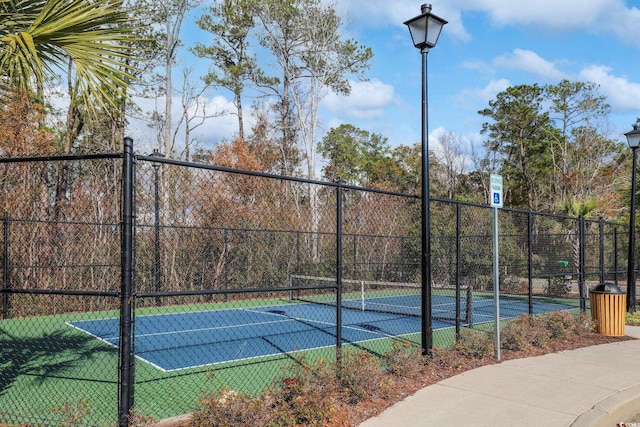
425	28
633	137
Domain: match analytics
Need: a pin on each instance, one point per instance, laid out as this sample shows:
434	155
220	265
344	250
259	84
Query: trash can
608	309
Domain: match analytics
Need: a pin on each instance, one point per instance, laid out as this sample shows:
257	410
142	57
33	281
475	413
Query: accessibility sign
495	191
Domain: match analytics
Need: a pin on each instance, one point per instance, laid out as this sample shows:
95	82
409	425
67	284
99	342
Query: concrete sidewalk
591	386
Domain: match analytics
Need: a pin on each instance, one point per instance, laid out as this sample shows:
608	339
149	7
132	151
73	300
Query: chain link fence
138	284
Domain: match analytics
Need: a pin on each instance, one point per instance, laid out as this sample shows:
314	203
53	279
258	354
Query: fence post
615	254
126	369
458	262
601	257
582	267
5	266
156	229
530	259
339	269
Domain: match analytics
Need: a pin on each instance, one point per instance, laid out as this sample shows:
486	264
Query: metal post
631	260
458	267
496	283
582	267
427	322
530	259
156	205
601	249
339	269
225	268
298	261
126	370
615	255
5	266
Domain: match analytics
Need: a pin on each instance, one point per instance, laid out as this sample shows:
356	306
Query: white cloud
475	96
623	23
479	66
531	62
565	14
621	94
384	13
594	16
367	100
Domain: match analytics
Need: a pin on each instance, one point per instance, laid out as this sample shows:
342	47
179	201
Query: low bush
360	376
633	319
325	394
404	360
228	409
304	396
474	344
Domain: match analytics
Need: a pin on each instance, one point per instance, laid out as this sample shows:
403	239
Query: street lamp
425	30
633	139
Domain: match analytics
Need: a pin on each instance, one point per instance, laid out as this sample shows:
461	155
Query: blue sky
487	46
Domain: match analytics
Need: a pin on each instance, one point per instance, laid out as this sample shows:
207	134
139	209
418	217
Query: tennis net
403	298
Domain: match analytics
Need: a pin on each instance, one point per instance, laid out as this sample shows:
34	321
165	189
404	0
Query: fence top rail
526	212
337	183
60	158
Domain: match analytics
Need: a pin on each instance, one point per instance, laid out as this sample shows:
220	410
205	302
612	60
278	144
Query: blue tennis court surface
177	341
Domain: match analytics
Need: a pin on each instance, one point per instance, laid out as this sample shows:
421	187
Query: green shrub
474	344
515	335
560	324
361	376
229	409
305	396
633	319
404	359
310	393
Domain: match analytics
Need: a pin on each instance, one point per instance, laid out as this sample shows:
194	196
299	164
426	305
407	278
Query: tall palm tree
87	40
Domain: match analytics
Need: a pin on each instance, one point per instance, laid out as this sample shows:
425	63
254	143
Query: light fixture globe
425	28
633	137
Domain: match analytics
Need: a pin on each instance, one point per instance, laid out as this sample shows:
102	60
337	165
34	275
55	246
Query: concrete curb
612	410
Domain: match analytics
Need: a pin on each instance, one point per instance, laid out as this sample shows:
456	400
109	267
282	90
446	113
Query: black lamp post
425	30
633	138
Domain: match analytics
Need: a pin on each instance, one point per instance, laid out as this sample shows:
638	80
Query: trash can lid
607	288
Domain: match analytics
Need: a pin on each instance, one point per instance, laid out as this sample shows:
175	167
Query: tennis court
176	341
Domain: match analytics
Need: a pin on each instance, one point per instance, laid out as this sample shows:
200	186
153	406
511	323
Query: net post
362	294
469	306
